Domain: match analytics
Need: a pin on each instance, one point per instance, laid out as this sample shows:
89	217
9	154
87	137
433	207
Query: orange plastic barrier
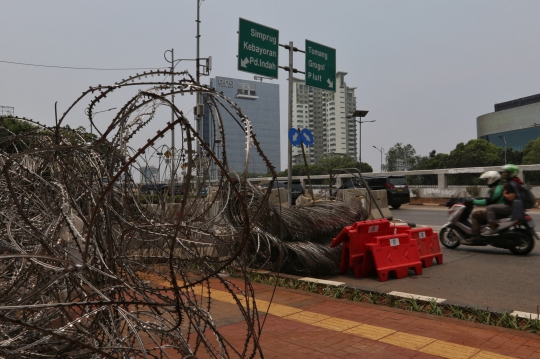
393	253
354	239
429	247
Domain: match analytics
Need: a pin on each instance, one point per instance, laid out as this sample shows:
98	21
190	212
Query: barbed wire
96	264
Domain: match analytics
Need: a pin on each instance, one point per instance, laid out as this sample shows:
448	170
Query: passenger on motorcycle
513	203
495	196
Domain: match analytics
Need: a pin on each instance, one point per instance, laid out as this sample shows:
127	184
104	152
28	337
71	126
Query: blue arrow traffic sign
294	137
307	137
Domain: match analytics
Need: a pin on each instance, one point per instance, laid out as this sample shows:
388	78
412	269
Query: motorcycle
517	237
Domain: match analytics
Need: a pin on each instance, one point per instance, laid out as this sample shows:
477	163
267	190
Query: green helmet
512	170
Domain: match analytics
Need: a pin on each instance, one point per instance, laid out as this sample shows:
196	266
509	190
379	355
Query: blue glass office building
515	122
259	101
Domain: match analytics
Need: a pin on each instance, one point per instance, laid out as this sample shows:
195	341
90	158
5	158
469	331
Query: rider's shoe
490	232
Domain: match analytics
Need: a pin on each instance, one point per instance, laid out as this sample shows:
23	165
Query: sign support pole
310	190
291	89
172	130
291	70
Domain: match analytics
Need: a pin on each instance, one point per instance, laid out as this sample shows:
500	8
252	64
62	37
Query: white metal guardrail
440	189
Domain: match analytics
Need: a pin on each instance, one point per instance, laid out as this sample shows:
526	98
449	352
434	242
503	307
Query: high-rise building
259	101
513	124
150	174
325	113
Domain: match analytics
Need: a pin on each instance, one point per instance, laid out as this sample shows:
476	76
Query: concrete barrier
381	198
303	201
360	196
279	195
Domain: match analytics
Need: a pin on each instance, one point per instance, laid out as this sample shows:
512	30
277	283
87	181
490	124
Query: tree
531	153
401	158
326	165
515	157
475	153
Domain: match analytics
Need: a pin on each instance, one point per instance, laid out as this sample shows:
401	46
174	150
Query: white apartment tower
325	113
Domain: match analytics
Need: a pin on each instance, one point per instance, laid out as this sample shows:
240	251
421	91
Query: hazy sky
424	69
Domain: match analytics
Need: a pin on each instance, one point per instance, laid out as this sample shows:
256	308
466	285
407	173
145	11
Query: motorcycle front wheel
526	245
449	238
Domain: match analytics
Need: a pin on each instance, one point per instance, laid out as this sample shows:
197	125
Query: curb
514	313
427	204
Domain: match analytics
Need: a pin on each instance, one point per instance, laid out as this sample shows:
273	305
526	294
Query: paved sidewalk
306	325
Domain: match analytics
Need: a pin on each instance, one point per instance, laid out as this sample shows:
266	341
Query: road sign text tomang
258	49
320	66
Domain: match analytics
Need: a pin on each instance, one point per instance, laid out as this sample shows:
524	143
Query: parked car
396	188
296	190
178	190
153	188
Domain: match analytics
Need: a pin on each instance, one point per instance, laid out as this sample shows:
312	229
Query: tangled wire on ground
94	268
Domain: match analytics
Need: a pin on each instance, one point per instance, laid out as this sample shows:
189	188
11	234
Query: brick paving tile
533	343
399	356
460	334
283	338
424	356
523	352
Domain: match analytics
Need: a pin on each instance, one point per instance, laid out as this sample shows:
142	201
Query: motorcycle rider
494	196
513	203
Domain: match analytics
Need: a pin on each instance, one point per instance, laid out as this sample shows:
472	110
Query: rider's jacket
495	196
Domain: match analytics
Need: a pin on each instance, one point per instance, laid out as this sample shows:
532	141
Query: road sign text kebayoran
320	66
258	49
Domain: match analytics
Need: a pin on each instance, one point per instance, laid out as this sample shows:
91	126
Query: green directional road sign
320	66
258	49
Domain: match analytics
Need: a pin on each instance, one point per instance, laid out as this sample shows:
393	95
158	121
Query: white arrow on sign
306	136
244	62
330	83
295	136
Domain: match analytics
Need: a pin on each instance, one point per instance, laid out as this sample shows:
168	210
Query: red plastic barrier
399	228
354	239
397	253
428	245
343	238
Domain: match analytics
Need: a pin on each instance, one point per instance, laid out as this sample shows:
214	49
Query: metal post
198	118
289	172
381	150
360	142
310	189
198	36
172	130
359	113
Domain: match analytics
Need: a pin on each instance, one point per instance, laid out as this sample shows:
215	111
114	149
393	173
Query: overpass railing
431	183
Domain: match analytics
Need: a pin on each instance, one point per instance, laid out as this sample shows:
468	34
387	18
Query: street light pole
504	140
381	150
359	113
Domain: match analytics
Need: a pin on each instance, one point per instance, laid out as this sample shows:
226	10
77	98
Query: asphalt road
483	276
437	216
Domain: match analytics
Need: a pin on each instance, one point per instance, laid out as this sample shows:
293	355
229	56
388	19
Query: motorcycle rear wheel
527	246
449	238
